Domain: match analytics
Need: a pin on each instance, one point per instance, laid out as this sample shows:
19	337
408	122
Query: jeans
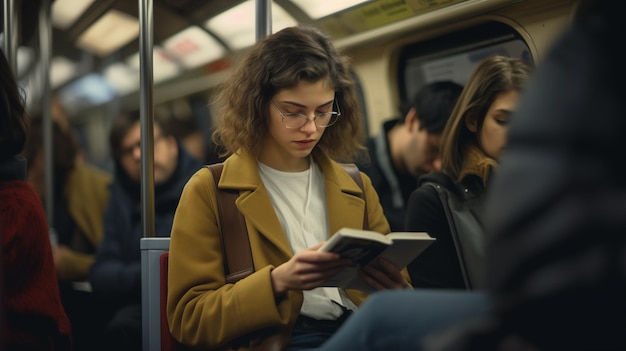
399	320
309	333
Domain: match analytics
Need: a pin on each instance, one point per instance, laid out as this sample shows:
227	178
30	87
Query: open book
365	246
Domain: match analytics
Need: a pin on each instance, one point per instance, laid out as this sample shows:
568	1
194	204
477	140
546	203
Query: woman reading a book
286	116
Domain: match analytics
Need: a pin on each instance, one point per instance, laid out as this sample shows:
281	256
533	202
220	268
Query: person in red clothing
33	317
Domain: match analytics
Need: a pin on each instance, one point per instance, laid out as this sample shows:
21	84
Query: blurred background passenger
187	132
116	272
557	209
191	122
33	317
80	198
408	147
449	204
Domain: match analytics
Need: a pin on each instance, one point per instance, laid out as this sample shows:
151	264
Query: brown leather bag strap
354	172
236	244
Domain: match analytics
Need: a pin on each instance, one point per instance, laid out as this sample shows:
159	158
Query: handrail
45	52
263	9
10	34
146	120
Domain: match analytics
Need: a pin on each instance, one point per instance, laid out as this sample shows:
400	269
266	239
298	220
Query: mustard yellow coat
87	195
206	313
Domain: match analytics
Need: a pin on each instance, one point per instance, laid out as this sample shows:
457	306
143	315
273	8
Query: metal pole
10	34
45	50
146	116
263	18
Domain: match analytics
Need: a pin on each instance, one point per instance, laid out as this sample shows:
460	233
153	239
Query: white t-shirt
299	201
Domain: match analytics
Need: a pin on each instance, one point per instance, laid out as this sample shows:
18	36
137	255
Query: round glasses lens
326	120
294	121
297	121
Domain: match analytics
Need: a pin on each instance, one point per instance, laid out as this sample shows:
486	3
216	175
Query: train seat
151	296
168	343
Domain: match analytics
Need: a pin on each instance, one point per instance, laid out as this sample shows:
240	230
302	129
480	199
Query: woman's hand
383	275
307	270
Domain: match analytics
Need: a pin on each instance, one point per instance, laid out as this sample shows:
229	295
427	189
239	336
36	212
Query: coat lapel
241	173
344	205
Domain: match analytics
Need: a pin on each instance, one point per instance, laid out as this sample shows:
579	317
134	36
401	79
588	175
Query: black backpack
464	211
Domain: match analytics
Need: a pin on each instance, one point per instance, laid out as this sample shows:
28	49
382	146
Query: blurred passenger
116	273
557	211
193	139
556	219
186	130
59	115
214	152
33	317
449	204
286	114
408	147
80	198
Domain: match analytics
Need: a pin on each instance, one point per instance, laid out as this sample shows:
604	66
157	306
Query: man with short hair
116	273
408	148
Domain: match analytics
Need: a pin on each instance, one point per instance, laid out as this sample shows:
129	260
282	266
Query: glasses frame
306	118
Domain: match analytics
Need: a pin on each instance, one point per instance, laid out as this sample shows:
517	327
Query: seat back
167	341
151	250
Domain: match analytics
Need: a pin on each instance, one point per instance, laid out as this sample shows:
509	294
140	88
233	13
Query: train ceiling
98	40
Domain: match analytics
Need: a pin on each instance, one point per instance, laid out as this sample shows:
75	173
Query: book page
360	251
358	245
365	247
406	246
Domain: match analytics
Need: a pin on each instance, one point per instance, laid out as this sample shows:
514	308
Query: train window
453	56
85	92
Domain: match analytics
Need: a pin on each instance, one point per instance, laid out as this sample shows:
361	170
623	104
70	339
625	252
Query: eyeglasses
297	120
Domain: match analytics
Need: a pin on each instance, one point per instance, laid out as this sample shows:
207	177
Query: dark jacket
393	188
116	273
438	266
441	265
33	316
556	214
456	259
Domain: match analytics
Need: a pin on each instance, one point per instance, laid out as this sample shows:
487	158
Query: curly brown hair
282	61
